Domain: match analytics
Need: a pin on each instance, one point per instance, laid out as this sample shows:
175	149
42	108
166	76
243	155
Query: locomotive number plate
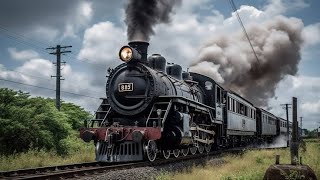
123	87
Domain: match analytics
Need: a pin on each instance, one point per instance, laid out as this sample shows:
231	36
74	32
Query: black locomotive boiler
153	108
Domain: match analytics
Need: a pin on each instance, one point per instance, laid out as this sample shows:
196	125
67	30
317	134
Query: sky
96	31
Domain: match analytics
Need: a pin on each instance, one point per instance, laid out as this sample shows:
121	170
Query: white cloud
22	55
102	42
45	33
80	19
37	72
311	35
306	89
311	107
275	7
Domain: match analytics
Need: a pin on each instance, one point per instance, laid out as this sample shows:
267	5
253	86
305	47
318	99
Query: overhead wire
234	8
47	88
38	77
29	42
47	79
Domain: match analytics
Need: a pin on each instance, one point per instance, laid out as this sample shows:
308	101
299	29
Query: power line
29	74
47	88
85	60
21	36
21	39
233	6
28	42
42	78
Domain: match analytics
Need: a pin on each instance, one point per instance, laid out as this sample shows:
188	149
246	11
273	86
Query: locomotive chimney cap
142	48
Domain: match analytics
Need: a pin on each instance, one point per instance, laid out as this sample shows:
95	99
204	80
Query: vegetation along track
91	168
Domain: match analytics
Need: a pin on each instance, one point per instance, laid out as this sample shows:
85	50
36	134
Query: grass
249	166
42	158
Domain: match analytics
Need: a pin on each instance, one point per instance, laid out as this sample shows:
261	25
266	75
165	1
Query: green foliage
259	160
34	123
76	114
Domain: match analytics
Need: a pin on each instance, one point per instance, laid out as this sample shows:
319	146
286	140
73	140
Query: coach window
238	107
234	105
245	110
241	108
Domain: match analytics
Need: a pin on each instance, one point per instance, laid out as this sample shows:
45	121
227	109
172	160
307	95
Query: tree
35	123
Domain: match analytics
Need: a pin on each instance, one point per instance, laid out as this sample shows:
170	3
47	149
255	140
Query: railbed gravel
151	172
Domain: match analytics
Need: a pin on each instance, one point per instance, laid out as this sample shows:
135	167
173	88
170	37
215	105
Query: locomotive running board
189	102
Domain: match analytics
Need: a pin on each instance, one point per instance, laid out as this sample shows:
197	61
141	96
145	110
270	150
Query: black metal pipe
142	48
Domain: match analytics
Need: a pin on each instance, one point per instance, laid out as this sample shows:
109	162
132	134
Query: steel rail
93	168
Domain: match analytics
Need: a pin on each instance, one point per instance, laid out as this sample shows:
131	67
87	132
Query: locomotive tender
153	108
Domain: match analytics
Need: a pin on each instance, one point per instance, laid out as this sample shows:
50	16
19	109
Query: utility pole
286	106
58	51
294	146
301	126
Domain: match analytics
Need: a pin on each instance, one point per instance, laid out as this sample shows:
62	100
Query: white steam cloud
230	60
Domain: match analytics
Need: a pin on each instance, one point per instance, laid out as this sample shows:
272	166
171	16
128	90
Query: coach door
219	104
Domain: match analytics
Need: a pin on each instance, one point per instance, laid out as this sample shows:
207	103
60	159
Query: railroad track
93	168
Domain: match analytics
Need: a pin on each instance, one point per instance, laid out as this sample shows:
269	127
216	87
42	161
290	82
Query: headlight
126	53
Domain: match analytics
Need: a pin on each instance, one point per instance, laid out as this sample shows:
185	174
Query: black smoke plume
230	60
142	15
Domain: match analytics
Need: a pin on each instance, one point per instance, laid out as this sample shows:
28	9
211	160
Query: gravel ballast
151	172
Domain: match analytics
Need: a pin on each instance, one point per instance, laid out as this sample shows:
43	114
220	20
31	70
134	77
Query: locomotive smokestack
142	48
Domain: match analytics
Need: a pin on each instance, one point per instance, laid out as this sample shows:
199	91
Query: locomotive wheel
151	150
176	153
193	150
166	154
207	147
185	152
200	148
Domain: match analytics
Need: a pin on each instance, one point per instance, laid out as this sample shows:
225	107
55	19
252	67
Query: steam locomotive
154	109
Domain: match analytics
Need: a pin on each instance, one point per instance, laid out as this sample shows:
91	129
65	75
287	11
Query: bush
34	123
